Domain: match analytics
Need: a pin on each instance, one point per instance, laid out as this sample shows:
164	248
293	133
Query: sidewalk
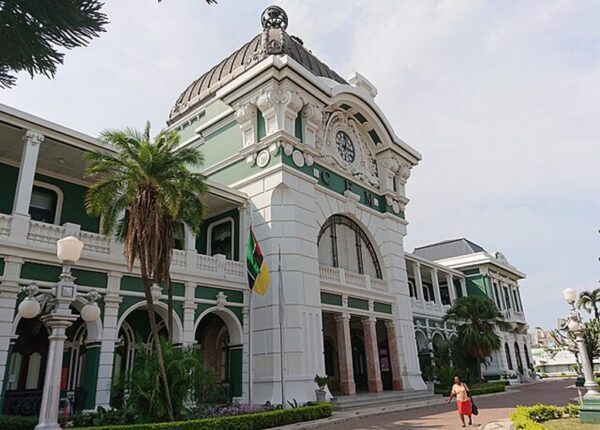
439	415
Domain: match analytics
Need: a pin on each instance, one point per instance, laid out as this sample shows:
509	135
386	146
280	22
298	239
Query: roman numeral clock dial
345	146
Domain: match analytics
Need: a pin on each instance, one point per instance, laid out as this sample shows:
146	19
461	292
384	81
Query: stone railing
95	242
46	233
512	315
108	248
428	308
335	275
5	222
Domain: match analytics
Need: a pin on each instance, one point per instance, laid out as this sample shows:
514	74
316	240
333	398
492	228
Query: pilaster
280	106
344	343
394	355
418	281
372	355
8	303
451	289
189	312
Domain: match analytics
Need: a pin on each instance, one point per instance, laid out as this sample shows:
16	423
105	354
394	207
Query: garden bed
547	417
569	424
252	421
476	389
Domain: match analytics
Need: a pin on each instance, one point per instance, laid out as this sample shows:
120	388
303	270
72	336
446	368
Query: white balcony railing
5	222
39	235
95	242
46	233
335	275
428	308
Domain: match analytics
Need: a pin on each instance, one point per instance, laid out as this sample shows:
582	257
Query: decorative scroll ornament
351	202
501	258
221	300
362	165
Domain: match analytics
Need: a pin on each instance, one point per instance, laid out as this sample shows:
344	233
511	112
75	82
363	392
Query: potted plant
321	382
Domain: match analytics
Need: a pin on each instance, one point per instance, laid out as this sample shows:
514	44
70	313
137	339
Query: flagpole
250	348
281	333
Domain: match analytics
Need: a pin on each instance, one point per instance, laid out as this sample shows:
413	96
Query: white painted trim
162	310
209	234
231	321
59	198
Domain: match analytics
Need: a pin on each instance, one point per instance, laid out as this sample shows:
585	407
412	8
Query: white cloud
501	98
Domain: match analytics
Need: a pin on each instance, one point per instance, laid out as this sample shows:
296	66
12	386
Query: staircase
398	400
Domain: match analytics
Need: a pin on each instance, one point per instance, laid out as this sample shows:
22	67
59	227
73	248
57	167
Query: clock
344	146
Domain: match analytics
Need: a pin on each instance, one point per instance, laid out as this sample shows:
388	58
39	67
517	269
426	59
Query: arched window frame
209	232
508	357
331	223
59	198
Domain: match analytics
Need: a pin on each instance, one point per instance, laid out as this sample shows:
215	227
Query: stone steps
410	399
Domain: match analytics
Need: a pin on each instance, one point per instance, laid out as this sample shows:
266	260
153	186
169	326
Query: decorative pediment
341	144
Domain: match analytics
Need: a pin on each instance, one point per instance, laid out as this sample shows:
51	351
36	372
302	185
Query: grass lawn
570	424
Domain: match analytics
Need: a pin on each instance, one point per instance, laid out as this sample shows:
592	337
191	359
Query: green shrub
477	389
261	420
8	422
531	417
571	410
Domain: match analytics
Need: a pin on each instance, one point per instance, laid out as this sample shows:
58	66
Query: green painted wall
44	272
221	144
261	127
337	183
298	128
331	299
73	209
209	293
476	286
235	371
384	308
239	170
8	185
356	303
1	268
202	239
90	375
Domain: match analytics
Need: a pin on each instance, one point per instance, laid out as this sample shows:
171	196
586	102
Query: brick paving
444	417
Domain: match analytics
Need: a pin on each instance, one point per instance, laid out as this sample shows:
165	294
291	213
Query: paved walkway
494	407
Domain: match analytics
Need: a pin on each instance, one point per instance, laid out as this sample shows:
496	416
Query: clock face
344	146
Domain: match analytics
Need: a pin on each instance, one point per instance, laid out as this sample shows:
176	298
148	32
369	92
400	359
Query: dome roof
273	40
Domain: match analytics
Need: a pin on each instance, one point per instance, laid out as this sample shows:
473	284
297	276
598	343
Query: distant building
489	275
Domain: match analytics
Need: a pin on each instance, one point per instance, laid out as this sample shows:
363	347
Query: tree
32	30
562	339
150	182
588	300
477	317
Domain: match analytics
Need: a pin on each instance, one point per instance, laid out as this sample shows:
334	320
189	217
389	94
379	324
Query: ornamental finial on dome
274	17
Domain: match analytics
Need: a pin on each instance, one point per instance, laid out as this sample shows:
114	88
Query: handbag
474	408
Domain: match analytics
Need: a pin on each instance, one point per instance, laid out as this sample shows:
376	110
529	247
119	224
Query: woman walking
463	402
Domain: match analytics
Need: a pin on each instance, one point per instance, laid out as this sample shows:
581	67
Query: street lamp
53	304
590	407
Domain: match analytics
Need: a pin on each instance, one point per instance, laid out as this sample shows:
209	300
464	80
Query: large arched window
342	243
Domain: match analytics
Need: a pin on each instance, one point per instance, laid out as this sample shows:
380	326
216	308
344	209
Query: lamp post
54	305
590	407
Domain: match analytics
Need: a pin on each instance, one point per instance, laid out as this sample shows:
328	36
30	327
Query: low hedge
8	422
256	421
476	389
532	417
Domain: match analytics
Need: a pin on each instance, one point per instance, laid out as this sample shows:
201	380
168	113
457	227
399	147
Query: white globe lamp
68	249
90	312
29	307
570	295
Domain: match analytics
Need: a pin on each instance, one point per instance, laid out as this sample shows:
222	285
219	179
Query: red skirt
464	408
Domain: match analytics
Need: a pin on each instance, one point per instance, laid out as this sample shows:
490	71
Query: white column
451	289
436	286
418	281
463	286
189	314
8	300
31	147
20	221
110	337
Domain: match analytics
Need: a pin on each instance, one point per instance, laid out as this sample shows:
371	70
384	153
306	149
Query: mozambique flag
258	272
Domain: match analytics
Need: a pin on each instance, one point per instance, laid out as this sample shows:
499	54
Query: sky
501	98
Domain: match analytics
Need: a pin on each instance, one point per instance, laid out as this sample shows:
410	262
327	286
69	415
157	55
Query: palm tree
588	300
150	182
477	318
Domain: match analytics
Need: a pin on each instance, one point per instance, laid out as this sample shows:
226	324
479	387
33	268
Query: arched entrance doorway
218	336
26	368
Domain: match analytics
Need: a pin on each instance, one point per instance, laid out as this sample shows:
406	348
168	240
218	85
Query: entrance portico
361	353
